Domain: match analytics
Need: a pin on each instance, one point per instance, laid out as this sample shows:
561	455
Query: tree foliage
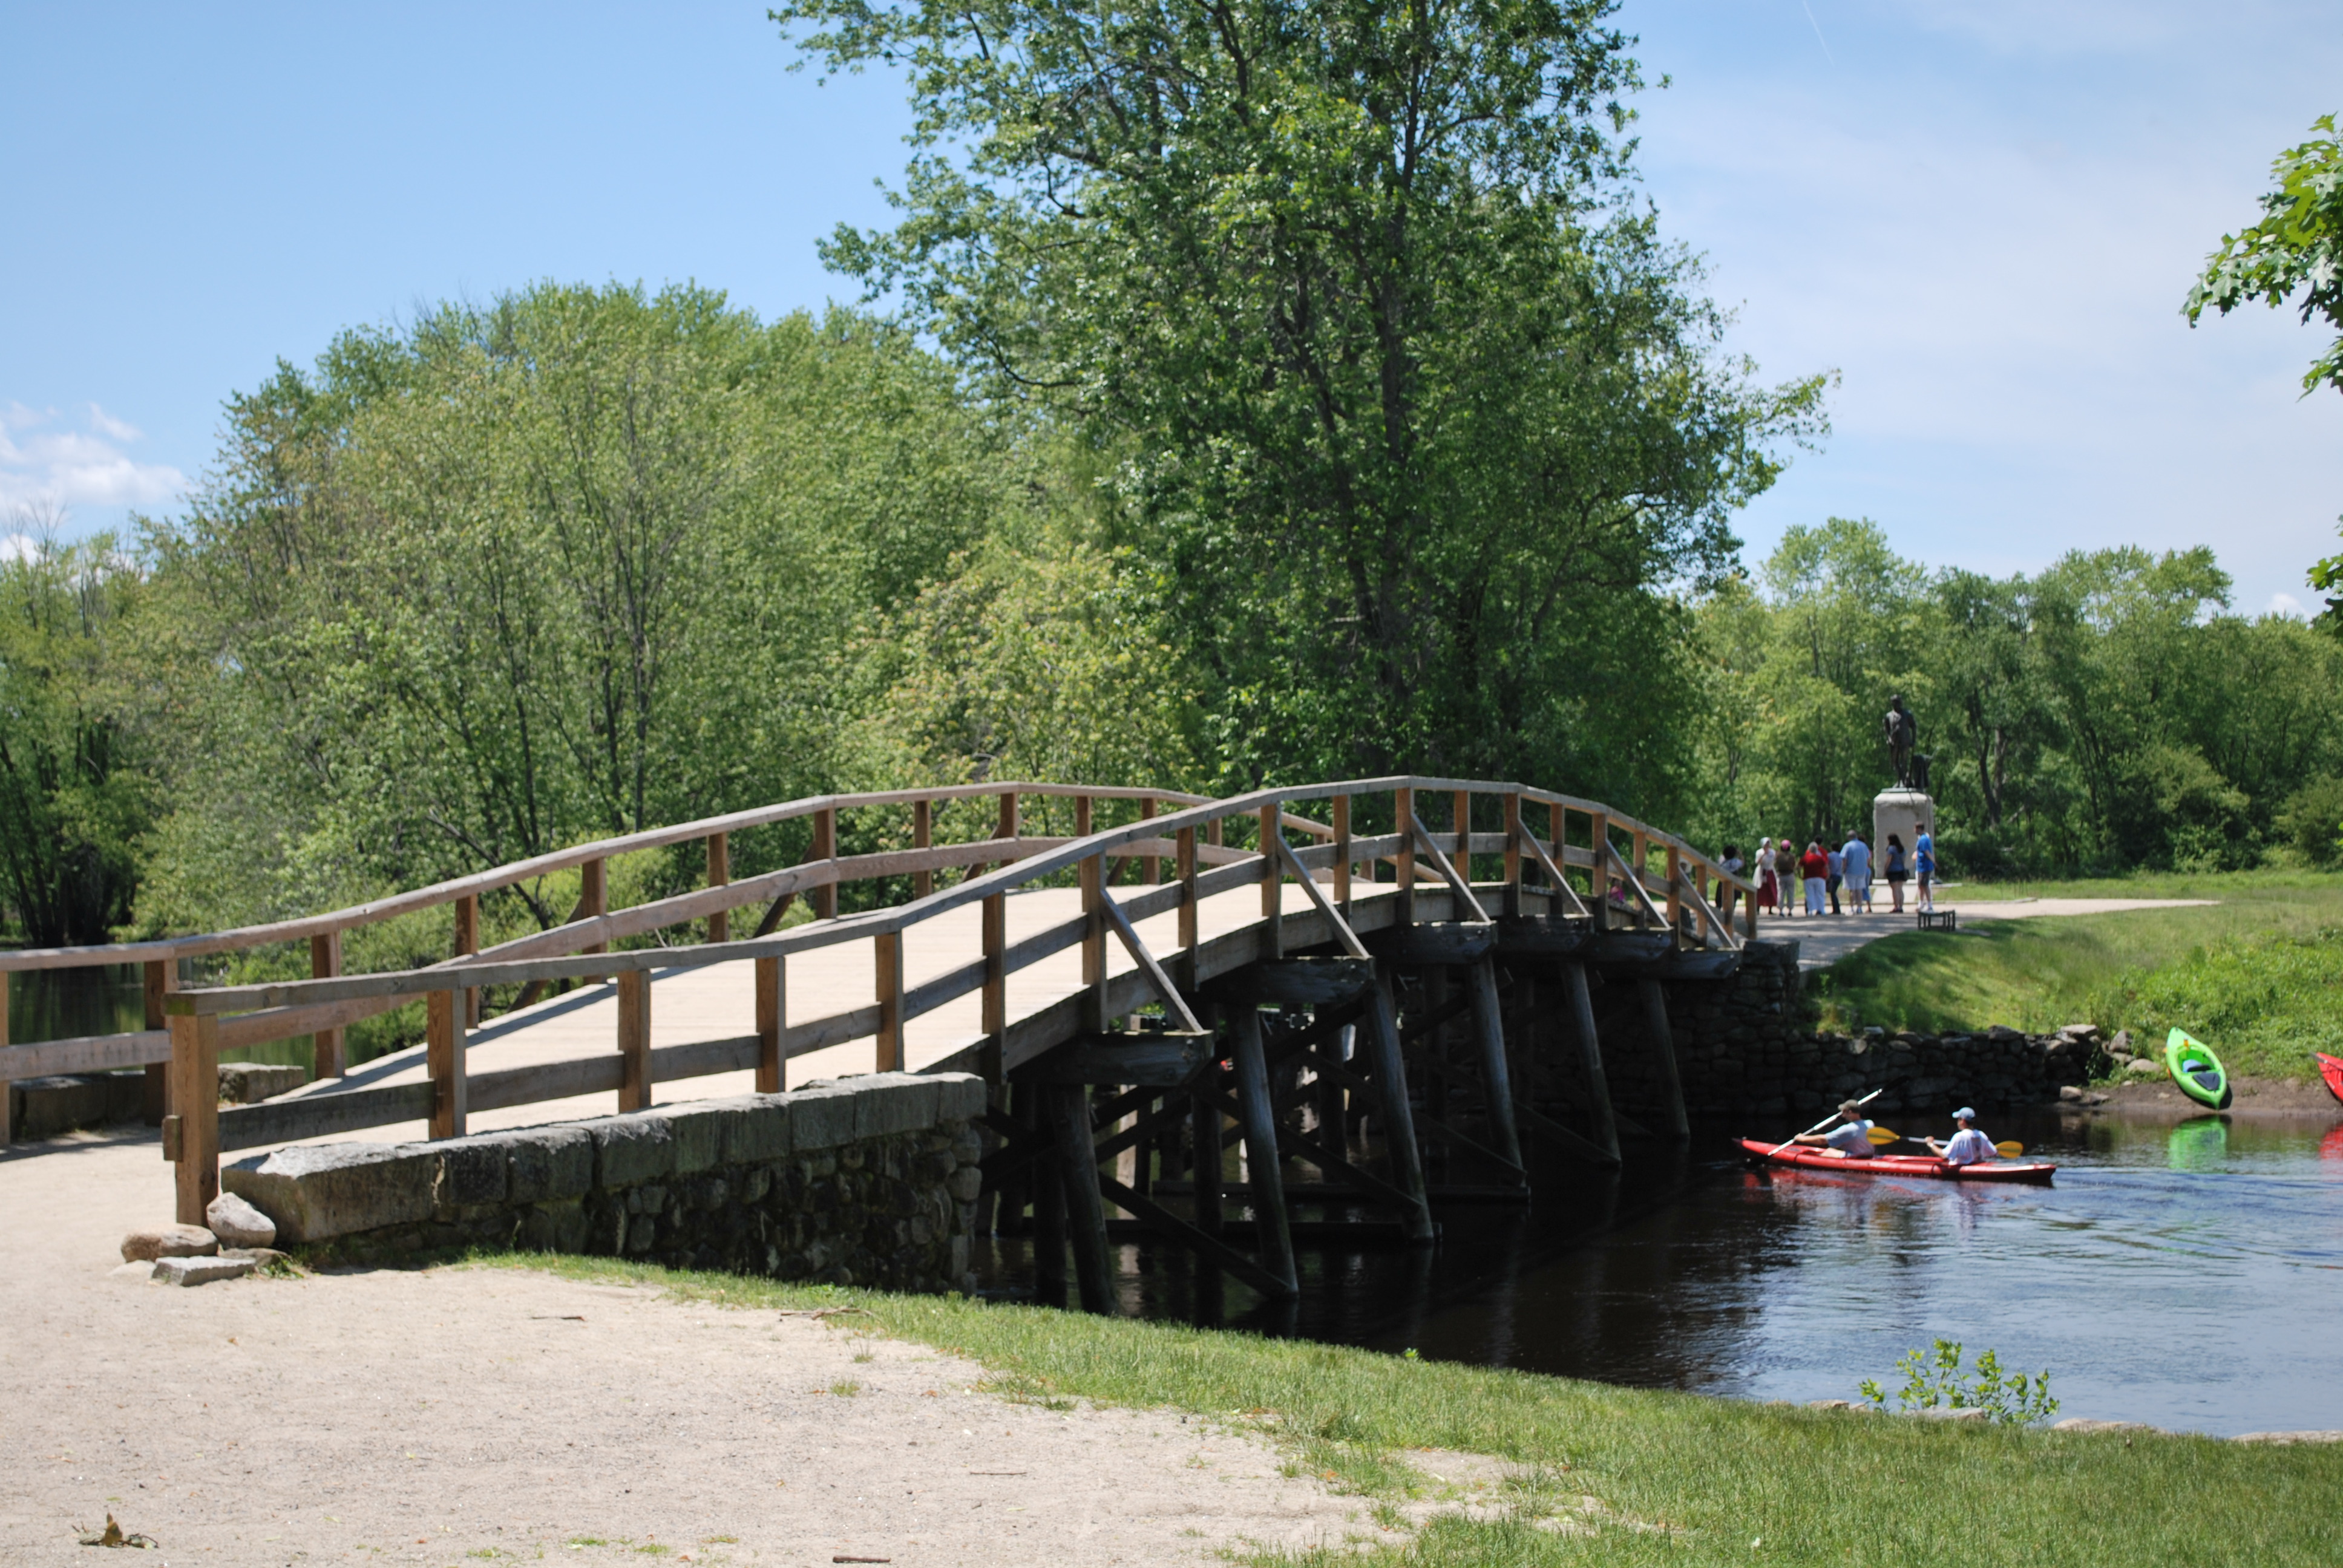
1410	412
2102	714
2296	247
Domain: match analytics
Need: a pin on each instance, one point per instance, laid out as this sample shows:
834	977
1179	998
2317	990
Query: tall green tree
75	797
1413	412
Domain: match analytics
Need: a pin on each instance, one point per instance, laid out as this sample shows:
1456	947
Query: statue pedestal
1903	812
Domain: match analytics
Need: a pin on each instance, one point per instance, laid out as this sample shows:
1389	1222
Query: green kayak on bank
2196	1070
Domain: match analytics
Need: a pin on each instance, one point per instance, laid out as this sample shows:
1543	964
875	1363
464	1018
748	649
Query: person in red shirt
1815	867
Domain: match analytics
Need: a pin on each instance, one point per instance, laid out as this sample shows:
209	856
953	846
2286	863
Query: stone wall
1748	1047
867	1181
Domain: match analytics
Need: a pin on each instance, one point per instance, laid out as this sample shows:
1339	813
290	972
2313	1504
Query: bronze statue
1902	734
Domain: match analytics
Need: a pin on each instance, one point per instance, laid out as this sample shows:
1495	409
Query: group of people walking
1827	875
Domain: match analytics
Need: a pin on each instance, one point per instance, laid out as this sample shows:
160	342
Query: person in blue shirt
1854	865
1924	863
1965	1147
1851	1136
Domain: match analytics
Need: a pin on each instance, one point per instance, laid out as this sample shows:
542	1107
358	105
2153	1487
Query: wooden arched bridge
1338	975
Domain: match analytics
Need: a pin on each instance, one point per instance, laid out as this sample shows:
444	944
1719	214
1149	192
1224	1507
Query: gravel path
450	1415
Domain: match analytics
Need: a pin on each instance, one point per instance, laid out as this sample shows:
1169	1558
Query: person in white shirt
1965	1147
1851	1136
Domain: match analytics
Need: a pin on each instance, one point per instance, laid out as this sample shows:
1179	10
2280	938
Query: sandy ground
1825	939
450	1415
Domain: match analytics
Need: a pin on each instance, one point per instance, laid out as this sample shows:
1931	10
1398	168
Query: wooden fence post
1006	826
887	947
1599	880
634	1040
593	902
1643	848
1675	899
1151	867
1512	904
194	1083
1093	875
825	847
1460	815
467	941
444	1052
1183	863
994	1018
1403	820
1273	879
770	1017
162	977
327	1058
1342	853
719	874
923	835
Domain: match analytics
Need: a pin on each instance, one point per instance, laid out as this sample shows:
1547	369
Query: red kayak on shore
2330	1068
1928	1167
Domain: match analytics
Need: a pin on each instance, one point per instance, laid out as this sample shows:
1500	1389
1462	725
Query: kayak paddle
2008	1149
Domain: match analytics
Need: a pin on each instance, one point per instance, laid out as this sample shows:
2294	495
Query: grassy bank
1681	1480
2259	974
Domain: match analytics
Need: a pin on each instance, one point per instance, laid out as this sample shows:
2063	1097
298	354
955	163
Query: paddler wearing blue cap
1965	1147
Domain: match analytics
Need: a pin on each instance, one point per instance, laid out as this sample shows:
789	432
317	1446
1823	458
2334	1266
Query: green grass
2257	976
1678	1479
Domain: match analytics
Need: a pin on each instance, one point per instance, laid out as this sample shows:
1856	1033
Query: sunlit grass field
2258	975
1677	1478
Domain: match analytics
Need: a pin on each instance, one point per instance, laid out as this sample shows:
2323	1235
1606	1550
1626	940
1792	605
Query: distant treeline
586	560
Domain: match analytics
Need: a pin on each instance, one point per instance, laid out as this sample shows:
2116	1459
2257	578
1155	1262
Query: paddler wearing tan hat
1851	1136
1965	1147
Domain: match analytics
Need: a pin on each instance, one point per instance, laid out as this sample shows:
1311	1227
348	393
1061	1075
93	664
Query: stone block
549	1164
760	1135
168	1242
44	1107
631	1149
894	1102
250	1082
471	1171
699	1128
821	1118
318	1191
202	1271
962	1096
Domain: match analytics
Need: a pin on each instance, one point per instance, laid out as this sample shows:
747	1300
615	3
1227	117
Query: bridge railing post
719	874
444	1022
1599	880
993	1015
1675	898
771	1021
1273	879
923	832
467	941
191	1136
887	949
1512	904
593	903
1006	826
1184	867
1642	844
824	899
1402	819
1151	867
325	963
1342	804
634	1040
1460	815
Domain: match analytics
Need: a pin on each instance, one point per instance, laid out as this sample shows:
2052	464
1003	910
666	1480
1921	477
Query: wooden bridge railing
1653	881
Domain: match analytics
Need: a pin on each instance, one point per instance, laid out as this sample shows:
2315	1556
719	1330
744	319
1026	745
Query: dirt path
1824	940
450	1415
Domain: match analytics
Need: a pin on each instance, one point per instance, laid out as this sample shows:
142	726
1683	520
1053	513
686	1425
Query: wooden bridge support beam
1663	1053
1262	1171
1590	1054
1393	1111
1069	1110
1496	1074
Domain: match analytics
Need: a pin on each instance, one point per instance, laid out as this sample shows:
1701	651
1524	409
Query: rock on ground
237	1223
201	1271
168	1242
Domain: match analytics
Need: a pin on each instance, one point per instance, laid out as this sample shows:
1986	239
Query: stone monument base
1903	812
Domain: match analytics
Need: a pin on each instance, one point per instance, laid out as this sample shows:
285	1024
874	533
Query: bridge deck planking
719	1002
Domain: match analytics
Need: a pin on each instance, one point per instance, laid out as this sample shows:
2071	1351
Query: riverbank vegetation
2258	975
1677	1478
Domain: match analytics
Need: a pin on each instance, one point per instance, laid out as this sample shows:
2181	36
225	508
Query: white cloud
2286	604
44	463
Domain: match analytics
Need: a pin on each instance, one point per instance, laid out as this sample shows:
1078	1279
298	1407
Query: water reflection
2224	1234
64	1004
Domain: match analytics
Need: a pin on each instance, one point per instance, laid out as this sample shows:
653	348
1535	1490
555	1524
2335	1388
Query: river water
2189	1276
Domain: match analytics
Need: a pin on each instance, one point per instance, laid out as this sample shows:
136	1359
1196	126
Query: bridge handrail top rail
453	975
167	948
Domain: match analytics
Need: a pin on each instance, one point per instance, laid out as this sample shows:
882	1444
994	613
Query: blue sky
1984	216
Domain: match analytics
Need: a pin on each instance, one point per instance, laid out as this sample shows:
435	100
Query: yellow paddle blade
2010	1150
1883	1138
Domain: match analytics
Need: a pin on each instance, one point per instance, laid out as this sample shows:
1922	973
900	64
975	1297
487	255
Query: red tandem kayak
1927	1166
2330	1068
